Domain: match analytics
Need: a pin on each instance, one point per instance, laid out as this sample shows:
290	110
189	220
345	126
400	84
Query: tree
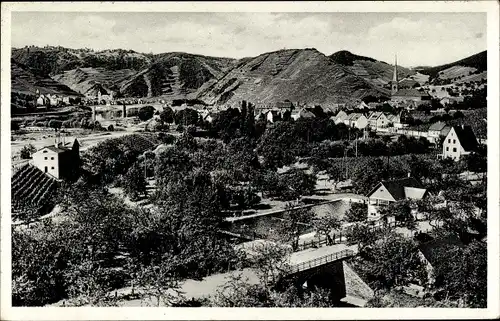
186	117
146	113
111	128
55	124
14	125
297	183
292	224
325	226
134	181
37	269
392	261
366	178
160	280
402	211
357	212
26	151
167	115
362	235
462	273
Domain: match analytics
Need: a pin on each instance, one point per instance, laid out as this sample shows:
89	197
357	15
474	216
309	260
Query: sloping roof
58	150
341	115
375	115
306	113
407	82
397	187
414	193
411	92
466	137
437	126
431	250
355	116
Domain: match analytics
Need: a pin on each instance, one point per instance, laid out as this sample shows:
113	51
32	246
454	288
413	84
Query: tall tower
394	85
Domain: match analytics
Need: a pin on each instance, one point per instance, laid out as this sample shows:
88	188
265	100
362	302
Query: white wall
45	158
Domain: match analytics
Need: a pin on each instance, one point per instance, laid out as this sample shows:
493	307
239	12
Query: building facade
387	192
60	161
460	141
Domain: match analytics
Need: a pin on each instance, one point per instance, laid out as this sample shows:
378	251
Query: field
455	71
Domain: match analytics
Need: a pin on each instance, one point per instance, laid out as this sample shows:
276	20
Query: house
42	100
53	99
408	83
340	117
273	115
60	160
459	141
410	94
286	104
357	120
362	105
450	100
390	191
393	119
438	129
302	113
377	120
209	117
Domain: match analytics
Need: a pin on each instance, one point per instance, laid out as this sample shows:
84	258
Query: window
52	158
449	140
45	151
454	149
52	167
454	141
447	148
45	158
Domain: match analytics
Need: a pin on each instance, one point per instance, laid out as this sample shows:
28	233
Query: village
239	166
330	209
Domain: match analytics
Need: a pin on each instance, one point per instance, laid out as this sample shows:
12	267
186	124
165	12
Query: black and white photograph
249	158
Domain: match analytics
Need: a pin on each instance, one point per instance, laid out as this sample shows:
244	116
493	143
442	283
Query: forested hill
477	61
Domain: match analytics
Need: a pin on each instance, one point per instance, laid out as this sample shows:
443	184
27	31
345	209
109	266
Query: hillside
88	80
299	75
55	60
303	75
477	62
27	81
175	75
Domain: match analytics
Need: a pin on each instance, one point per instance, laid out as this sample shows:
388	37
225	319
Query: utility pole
356	144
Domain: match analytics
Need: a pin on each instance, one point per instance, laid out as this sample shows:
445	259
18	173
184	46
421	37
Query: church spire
394	87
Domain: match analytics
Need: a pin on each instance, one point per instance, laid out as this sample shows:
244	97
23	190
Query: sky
417	38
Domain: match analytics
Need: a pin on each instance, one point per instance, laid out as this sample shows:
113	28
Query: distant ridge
477	61
299	75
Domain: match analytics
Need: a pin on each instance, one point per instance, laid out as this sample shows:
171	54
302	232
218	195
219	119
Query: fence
315	243
321	260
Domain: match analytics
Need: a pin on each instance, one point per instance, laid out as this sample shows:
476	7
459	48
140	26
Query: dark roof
407	82
432	250
437	126
466	137
57	149
397	186
410	92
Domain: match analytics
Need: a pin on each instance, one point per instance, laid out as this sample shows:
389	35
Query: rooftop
466	137
402	188
411	92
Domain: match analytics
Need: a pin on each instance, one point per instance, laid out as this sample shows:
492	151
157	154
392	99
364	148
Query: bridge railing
321	260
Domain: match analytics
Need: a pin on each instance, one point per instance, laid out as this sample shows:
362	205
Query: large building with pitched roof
460	141
386	192
61	161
